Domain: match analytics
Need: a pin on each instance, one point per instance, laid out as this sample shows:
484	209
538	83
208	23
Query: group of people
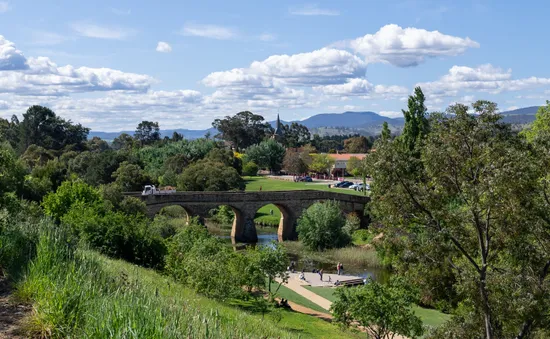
283	303
339	269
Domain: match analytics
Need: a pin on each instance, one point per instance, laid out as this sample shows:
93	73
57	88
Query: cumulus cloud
4	7
324	66
10	57
164	47
41	76
405	47
485	78
208	31
312	10
91	30
361	87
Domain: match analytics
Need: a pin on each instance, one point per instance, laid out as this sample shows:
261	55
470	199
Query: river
303	261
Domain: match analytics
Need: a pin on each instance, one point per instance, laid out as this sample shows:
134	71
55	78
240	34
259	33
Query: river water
308	264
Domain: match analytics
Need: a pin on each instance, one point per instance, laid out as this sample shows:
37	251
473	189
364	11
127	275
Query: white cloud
484	78
4	105
164	47
511	108
324	66
391	114
92	30
10	57
267	37
361	87
208	31
312	10
404	47
4	7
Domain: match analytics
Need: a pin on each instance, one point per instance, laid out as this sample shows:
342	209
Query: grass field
430	317
268	184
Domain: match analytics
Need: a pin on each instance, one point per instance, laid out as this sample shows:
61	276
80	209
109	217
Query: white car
354	186
360	187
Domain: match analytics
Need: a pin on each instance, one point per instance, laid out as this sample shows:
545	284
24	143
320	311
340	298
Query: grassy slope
429	317
292	324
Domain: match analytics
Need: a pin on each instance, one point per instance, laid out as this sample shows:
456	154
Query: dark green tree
321	226
147	132
357	145
268	154
130	177
243	129
416	123
296	162
386	133
123	141
467	220
295	135
207	175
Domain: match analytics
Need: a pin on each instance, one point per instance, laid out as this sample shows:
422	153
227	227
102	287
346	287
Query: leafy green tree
357	145
416	123
267	154
295	135
177	136
123	141
296	162
383	310
467	214
210	176
243	129
97	145
359	168
58	203
540	129
147	132
37	156
223	215
130	177
321	163
250	169
386	133
41	127
225	156
133	206
10	131
12	172
272	262
321	226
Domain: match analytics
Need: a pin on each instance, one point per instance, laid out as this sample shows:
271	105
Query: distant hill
363	123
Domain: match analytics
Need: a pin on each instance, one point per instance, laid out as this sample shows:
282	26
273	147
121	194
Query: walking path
11	314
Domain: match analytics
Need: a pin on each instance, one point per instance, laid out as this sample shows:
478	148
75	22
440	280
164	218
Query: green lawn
430	317
287	293
268	184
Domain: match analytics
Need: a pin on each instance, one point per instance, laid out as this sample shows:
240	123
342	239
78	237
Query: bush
250	169
322	226
207	175
68	194
222	215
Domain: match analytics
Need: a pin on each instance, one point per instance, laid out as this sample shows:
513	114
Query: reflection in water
308	264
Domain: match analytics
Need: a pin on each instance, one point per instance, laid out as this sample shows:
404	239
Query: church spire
278	129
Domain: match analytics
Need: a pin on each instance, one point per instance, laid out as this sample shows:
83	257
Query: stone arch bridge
246	204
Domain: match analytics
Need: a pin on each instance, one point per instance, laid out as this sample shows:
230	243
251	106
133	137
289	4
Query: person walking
338	267
321	274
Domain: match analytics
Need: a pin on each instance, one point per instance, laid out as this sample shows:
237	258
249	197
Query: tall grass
81	294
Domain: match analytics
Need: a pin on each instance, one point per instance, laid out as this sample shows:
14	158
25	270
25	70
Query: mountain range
363	123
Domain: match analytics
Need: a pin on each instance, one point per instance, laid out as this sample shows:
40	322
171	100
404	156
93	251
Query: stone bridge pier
245	205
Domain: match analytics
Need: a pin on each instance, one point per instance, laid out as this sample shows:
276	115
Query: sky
111	64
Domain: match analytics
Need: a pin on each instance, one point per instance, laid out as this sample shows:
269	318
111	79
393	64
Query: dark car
308	179
346	184
343	184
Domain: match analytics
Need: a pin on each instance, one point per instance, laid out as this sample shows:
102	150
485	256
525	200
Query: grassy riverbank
269	184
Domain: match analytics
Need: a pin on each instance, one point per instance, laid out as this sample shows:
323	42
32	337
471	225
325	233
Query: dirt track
11	314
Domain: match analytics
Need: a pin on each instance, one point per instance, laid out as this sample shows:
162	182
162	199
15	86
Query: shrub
322	226
207	175
222	215
250	169
69	193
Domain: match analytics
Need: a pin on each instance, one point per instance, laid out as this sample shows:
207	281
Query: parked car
308	179
343	184
304	179
354	186
361	187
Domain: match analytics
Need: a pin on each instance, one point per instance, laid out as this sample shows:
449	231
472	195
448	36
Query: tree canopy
243	129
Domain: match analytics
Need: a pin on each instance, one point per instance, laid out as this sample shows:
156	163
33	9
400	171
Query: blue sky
184	63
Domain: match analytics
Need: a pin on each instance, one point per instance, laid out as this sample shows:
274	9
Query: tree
321	227
267	154
540	129
207	175
41	127
465	213
58	203
321	163
272	262
250	169
147	132
296	162
416	123
97	145
123	141
356	145
295	135
386	133
359	168
177	136
130	177
383	310
243	129
225	156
